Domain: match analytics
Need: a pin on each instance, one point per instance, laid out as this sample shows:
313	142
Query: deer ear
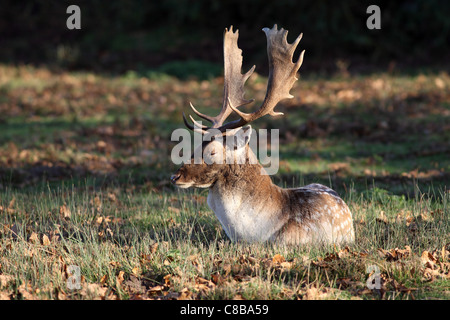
247	131
241	136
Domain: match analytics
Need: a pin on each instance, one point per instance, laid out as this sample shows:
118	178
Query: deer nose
175	177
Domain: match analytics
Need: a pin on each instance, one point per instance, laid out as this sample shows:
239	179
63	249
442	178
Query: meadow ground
84	181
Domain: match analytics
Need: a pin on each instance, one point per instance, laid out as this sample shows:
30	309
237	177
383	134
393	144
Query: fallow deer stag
248	205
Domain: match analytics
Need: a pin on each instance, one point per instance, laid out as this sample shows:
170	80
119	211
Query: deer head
218	155
215	157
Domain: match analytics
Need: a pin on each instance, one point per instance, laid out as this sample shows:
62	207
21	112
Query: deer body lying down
246	202
313	213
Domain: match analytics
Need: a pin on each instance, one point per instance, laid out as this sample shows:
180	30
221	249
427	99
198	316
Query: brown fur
309	208
305	214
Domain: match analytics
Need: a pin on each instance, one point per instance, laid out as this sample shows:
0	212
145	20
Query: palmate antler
282	75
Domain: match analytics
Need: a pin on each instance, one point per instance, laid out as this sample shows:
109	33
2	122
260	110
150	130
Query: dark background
172	36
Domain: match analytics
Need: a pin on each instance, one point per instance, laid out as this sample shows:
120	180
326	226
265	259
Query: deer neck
247	203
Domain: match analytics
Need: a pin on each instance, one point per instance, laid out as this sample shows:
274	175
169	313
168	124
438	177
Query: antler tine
282	75
282	71
197	124
196	127
233	80
201	115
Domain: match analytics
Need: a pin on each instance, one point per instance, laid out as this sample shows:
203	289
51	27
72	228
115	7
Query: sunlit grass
171	240
84	168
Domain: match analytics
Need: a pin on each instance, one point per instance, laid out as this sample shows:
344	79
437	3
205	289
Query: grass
140	244
84	167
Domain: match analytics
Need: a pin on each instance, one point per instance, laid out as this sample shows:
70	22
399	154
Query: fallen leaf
64	211
166	262
395	254
93	291
428	259
217	279
156	289
401	288
5	280
347	282
344	253
167	280
45	240
119	278
196	263
114	263
185	294
136	271
26	291
5	295
154	247
97	201
112	197
278	259
331	257
34	238
430	274
226	267
135	285
104	279
286	265
203	285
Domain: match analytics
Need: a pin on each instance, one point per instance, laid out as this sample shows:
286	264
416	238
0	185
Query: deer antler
233	82
282	75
